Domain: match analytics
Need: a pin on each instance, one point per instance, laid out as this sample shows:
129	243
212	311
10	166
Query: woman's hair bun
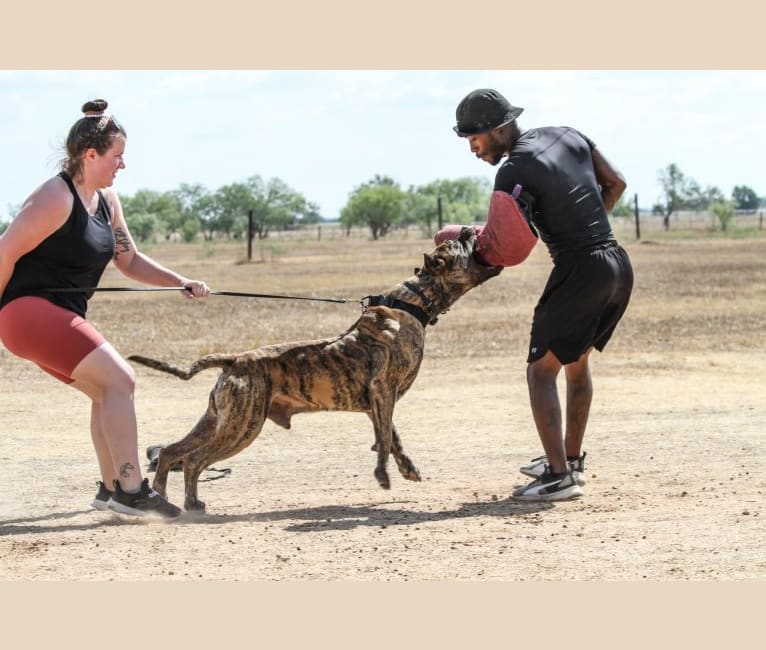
95	106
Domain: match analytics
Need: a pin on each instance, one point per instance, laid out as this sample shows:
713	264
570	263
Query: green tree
713	194
143	226
745	198
163	206
277	206
724	211
420	208
379	179
310	214
190	229
698	199
463	200
695	198
675	187
197	206
231	204
378	204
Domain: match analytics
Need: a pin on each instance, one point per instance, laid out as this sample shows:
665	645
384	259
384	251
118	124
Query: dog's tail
209	361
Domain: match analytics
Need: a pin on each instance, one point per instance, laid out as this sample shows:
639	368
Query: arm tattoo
122	241
124	473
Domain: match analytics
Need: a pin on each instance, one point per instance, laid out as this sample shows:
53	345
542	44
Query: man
555	182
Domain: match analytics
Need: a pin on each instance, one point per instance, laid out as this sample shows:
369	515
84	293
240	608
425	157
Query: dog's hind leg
228	441
170	455
406	467
193	468
241	408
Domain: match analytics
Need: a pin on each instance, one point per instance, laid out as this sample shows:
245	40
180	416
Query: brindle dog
366	369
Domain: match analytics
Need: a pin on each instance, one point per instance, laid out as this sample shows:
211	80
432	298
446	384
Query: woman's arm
137	266
42	214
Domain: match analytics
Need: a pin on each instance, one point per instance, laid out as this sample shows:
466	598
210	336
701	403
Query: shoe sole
122	509
578	476
99	505
573	492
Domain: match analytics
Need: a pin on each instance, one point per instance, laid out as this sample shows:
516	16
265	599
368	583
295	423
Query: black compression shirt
560	194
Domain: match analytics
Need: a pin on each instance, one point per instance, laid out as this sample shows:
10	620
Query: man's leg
579	396
546	408
556	482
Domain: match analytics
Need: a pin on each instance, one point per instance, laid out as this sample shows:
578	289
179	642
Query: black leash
367	301
241	294
153	454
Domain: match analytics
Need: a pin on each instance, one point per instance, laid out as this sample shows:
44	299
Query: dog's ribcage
332	374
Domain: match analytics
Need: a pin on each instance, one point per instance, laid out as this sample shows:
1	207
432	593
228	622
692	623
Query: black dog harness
422	314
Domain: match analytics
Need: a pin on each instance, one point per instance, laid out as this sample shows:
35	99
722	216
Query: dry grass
702	294
677	452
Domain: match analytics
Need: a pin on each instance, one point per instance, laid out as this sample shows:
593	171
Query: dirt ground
676	469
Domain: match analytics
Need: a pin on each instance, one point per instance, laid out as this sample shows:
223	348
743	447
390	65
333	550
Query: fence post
635	209
439	211
250	235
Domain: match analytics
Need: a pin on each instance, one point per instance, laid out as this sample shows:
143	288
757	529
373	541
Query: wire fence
686	221
650	225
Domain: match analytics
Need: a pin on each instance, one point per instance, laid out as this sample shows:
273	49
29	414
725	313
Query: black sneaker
144	502
550	487
536	467
101	500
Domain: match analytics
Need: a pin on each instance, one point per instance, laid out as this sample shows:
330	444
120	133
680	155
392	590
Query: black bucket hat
483	110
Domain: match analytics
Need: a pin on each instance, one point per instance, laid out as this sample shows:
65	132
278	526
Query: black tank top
73	256
560	194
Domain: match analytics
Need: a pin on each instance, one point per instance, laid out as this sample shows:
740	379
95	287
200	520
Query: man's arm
609	177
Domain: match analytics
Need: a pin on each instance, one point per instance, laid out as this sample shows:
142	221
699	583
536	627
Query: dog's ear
432	264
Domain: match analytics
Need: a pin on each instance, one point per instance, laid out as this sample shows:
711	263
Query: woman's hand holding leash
195	289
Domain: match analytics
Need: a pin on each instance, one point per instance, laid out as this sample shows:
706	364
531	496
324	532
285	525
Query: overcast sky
326	132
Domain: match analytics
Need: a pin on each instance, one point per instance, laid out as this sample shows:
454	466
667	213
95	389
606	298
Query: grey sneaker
536	467
144	502
101	500
550	487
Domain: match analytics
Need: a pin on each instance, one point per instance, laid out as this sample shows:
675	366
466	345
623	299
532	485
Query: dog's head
455	268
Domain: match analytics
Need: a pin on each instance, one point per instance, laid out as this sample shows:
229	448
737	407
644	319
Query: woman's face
103	168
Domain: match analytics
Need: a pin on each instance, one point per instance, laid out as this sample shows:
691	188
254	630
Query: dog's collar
395	303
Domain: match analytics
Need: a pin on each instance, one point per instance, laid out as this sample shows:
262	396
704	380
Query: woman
63	237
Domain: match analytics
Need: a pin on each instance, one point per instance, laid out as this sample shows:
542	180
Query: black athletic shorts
585	297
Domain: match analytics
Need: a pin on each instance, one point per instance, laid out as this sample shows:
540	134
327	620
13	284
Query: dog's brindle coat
366	369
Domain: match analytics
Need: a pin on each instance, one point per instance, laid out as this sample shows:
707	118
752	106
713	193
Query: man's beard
497	151
496	158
